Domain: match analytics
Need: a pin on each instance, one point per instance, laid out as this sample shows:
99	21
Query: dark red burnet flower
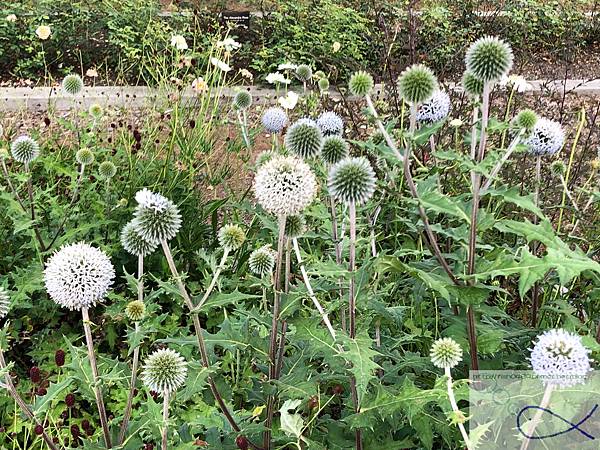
41	391
242	442
35	375
59	358
85	424
70	400
149	446
75	431
38	429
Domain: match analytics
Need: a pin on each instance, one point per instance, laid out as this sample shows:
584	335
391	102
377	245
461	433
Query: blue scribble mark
573	426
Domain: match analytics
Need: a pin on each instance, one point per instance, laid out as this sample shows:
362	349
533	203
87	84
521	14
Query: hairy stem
538	415
454	405
509	151
388	139
214	279
165	427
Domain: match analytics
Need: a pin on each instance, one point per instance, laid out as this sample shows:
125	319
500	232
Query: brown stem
97	390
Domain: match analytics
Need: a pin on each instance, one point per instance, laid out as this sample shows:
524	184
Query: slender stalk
535	293
214	280
97	390
24	407
452	399
431	144
538	414
310	290
568	192
30	191
338	253
388	139
244	131
165	428
509	151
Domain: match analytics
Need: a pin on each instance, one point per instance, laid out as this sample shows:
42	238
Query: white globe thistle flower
285	185
546	138
445	353
231	237
330	124
134	243
78	275
435	109
352	180
4	302
164	370
274	120
262	261
24	149
156	218
560	359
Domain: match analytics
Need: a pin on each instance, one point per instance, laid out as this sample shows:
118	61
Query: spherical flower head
264	157
352	180
558	168
546	138
334	149
72	84
107	170
361	83
435	109
84	156
489	58
417	84
242	100
274	120
330	124
304	72
135	310
323	84
164	370
24	149
134	243
4	302
526	119
231	237
304	138
78	275
295	226
157	218
560	358
285	185
445	353
96	111
262	261
472	85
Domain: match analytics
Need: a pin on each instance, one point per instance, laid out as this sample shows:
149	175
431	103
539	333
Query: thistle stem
388	139
454	405
535	300
538	414
338	252
214	279
509	151
243	128
165	428
97	390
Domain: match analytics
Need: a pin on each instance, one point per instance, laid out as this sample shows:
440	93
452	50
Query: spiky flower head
330	123
231	237
352	180
78	275
24	149
334	149
285	185
295	226
4	302
165	370
560	358
361	83
526	119
262	261
274	120
107	170
546	138
72	84
156	217
489	58
323	84
242	100
96	111
135	310
558	168
304	72
472	85
417	84
134	243
319	74
435	109
304	138
84	156
445	353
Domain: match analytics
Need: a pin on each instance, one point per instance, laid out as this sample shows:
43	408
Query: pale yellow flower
199	85
43	32
179	42
222	65
456	123
92	73
11	18
336	47
246	74
289	101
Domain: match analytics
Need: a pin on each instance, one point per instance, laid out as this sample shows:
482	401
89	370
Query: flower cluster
274	120
231	237
445	353
135	310
133	242
24	149
262	261
435	109
157	218
546	138
304	138
352	180
489	59
4	302
165	371
330	124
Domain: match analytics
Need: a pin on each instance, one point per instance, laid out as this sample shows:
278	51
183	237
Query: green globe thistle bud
295	226
231	237
107	170
242	100
526	119
264	157
445	353
319	74
134	243
4	153
352	180
304	138
4	302
24	149
165	370
489	59
334	149
323	84
304	72
84	156
417	84
72	84
135	310
378	137
558	168
262	261
472	85
361	83
96	111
